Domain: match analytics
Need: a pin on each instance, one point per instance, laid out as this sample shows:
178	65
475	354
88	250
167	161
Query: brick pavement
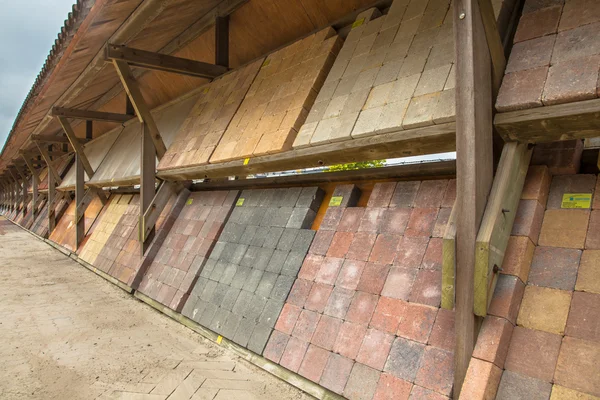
68	334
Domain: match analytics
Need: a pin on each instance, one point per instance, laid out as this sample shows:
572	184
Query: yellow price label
358	23
246	161
206	90
266	63
336	201
240	202
576	200
189	202
219	339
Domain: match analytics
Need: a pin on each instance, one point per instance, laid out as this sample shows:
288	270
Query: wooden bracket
163	62
139	104
90	115
80	153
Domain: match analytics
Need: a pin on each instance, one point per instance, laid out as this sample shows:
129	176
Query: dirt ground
66	333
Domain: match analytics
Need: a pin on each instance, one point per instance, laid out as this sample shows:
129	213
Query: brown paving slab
554	267
538	23
588	278
577	366
579	12
592	240
518	257
537	184
391	388
564	228
481	381
531	54
493	340
522	90
533	353
584	317
563	184
562	158
545	309
572	80
563	393
528	220
507	298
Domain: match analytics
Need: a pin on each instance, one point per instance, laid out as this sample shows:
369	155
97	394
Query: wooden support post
449	261
25	197
474	167
52	170
222	41
79	194
34	193
15	190
51	200
89	129
80	153
147	185
129	110
158	203
141	108
83	204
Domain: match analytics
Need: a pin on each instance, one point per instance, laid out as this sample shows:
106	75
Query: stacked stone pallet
363	317
278	101
202	130
556	55
181	257
64	232
249	273
393	73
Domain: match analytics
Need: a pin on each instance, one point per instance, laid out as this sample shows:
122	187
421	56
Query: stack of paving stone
248	276
40	224
278	101
65	231
202	130
556	55
363	317
182	255
393	73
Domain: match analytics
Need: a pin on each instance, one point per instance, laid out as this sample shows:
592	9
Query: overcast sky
27	32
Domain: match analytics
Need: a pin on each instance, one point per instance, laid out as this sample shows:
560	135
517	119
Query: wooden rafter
163	62
49	139
141	107
147	186
90	115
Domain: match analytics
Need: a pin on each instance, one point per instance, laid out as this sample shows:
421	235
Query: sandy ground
66	333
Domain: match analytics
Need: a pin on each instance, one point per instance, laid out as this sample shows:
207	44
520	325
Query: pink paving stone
375	348
340	244
362	307
321	242
330	268
372	220
433	255
531	54
584	316
388	314
442	334
382	194
332	218
592	240
521	90
411	251
578	13
293	354
533	353
391	388
326	332
441	222
318	297
399	282
362	382
385	248
350	274
493	340
450	195
554	267
306	325
349	339
395	220
314	363
538	23
427	288
336	373
351	219
577	43
405	194
528	220
361	246
339	302
417	322
431	193
373	278
299	292
420	393
572	80
422	221
436	371
276	346
507	298
310	267
288	318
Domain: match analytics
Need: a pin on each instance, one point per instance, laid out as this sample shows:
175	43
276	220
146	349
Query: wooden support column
474	167
51	200
34	193
139	104
147	185
222	41
79	194
89	129
15	190
47	158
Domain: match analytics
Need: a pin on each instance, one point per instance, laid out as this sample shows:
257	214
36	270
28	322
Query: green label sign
240	202
576	200
336	201
189	202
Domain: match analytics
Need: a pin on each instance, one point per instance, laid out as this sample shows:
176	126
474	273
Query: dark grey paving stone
269	213
218	321
240	277
250	257
248	235
515	386
271	312
266	285
267	197
242	303
219	270
238	253
301	218
290	197
276	262
217	250
255	308
199	286
281	216
219	294
230	298
208	314
287	239
253	280
228	274
188	307
231	325
404	359
236	215
228	252
244	332
264	256
209	266
257	216
303	241
232	232
260	236
311	197
282	287
208	291
197	310
259	338
293	263
273	237
350	194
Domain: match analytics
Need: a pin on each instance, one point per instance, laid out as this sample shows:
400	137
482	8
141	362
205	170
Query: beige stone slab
392	116
367	122
413	64
379	96
433	80
445	110
420	111
544	309
404	88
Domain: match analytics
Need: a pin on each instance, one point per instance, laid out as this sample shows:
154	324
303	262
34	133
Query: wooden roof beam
89	115
163	62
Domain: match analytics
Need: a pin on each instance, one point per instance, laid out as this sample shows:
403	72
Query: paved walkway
65	333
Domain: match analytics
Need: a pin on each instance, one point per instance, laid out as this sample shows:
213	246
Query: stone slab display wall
40	224
202	130
172	274
393	73
556	55
249	273
278	101
363	318
65	231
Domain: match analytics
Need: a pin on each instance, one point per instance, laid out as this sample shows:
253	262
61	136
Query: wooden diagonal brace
141	108
32	169
76	146
84	203
21	172
90	115
160	200
51	168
